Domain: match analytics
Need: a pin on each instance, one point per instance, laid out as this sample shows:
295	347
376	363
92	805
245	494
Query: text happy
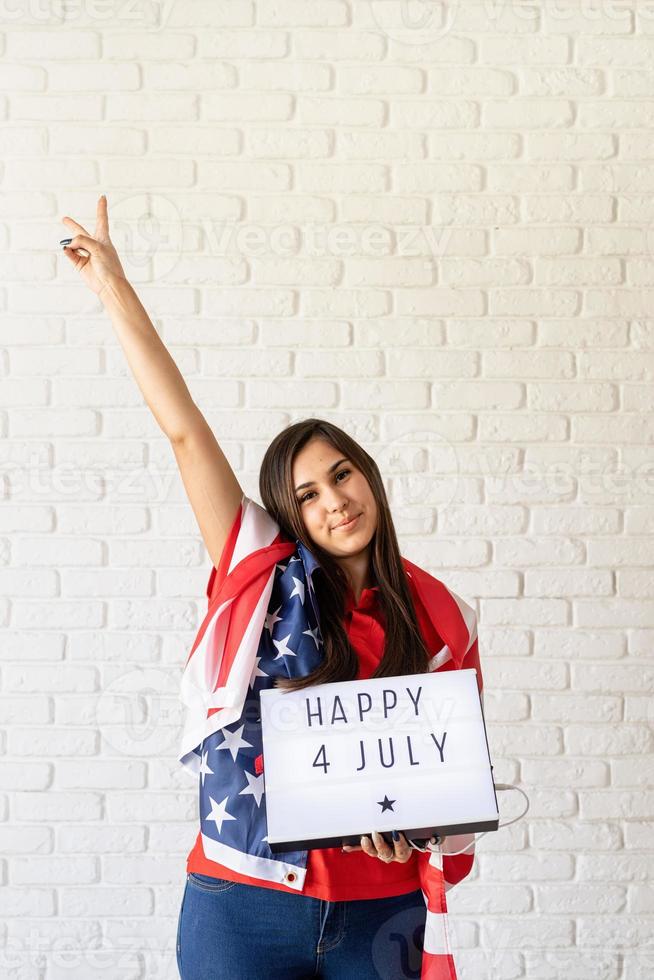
319	715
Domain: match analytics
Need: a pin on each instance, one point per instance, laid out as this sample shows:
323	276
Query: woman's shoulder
253	530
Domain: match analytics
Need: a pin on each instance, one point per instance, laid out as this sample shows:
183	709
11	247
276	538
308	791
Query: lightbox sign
405	753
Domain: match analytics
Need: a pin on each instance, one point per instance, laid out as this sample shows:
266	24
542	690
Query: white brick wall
434	230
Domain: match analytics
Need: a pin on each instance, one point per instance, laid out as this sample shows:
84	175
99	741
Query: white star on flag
234	742
204	769
313	633
219	813
283	649
298	590
257	672
271	619
254	787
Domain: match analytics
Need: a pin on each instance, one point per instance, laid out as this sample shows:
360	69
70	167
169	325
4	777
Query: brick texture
431	224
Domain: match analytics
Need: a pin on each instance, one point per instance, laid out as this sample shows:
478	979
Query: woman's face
333	493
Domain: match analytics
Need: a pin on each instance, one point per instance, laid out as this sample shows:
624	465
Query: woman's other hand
377	847
380	849
102	263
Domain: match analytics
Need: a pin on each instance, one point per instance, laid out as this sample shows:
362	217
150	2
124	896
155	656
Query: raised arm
213	490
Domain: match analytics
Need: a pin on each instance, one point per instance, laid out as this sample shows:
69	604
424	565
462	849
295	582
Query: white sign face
389	753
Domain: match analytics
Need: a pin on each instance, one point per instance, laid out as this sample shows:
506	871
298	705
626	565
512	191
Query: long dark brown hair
404	649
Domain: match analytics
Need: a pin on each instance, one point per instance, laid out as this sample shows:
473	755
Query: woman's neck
359	573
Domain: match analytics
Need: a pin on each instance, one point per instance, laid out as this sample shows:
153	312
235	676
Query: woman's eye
309	492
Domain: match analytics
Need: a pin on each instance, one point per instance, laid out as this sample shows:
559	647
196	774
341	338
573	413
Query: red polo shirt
332	874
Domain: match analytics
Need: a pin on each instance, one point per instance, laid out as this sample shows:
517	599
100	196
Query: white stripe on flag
198	676
469	618
436	936
440	658
257	530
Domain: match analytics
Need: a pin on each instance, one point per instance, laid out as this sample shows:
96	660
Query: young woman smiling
368	612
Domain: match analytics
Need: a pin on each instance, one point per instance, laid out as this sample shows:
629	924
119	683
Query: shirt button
291	876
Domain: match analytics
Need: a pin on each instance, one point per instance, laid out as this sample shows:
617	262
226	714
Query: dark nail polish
65	241
396	836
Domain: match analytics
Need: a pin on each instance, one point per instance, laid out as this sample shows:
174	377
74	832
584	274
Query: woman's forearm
155	371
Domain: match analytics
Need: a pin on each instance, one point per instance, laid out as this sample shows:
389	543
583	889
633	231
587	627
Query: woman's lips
349	525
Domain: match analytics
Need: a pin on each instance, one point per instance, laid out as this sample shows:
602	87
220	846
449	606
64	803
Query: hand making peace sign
102	263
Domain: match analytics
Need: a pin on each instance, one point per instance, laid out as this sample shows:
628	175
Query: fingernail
396	836
65	241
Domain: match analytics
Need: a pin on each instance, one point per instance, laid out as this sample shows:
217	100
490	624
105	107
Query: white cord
498	786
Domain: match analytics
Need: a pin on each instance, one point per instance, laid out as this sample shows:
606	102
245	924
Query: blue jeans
232	931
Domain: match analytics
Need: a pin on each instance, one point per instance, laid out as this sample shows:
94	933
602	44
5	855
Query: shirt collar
367	599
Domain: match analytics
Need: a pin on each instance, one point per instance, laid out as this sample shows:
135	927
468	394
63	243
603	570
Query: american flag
263	622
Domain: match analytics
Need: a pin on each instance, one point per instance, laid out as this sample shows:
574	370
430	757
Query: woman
324	546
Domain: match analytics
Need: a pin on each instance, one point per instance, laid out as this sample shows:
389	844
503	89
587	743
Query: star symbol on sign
386	804
298	590
204	769
219	813
234	742
271	619
254	787
282	649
